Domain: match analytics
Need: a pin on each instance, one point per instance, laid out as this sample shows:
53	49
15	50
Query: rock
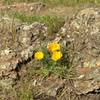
6	83
85	37
17	47
83	31
49	86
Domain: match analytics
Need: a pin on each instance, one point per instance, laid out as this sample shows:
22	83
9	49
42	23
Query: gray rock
17	46
49	86
83	31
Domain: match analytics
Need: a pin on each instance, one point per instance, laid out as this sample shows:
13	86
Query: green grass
55	2
25	91
8	2
53	22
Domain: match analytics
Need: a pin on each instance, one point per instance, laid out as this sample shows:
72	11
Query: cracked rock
83	31
15	48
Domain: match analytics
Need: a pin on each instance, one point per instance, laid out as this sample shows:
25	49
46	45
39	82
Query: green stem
53	65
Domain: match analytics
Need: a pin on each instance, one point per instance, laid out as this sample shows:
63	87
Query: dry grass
55	2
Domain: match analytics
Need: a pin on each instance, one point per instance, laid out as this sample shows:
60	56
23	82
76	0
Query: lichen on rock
83	31
17	46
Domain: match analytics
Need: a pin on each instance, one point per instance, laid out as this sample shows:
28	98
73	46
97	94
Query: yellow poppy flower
39	55
56	55
53	47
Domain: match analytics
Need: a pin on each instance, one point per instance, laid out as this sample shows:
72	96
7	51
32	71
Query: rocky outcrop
83	32
17	45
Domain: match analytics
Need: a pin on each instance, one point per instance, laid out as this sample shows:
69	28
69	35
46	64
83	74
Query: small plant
52	60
